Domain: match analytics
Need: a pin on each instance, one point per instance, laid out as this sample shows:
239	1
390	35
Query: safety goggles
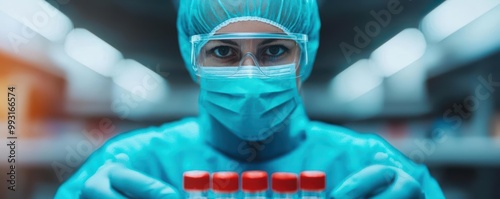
248	54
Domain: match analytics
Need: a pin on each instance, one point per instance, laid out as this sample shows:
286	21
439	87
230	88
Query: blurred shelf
465	151
66	150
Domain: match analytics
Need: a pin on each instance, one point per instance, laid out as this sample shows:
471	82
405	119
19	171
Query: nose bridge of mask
246	86
279	72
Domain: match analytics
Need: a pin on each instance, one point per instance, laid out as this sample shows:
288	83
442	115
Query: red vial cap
225	182
283	182
312	180
196	181
254	181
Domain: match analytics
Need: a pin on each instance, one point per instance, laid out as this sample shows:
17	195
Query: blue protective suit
165	152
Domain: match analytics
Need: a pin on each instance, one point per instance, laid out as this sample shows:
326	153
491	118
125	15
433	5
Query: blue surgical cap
207	16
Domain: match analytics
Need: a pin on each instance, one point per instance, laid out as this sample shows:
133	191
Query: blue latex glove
378	182
115	180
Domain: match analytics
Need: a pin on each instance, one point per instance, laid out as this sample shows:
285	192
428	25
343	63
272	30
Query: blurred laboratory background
424	74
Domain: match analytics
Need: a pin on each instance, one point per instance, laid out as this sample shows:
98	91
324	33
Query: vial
225	185
312	184
254	184
284	185
196	184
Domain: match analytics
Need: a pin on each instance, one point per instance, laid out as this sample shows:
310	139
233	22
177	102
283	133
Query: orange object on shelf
39	93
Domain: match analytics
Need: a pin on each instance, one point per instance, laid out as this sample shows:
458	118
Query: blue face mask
251	108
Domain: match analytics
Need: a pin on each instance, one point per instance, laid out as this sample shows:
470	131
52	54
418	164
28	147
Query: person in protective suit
249	58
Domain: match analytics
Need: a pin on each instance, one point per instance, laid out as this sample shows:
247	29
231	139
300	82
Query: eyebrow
231	42
267	41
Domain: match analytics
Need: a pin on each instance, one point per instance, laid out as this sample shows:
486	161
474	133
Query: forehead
249	26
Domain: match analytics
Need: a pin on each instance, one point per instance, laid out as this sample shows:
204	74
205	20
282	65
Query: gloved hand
377	182
115	180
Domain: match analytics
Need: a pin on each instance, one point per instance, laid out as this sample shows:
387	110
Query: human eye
222	51
275	51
